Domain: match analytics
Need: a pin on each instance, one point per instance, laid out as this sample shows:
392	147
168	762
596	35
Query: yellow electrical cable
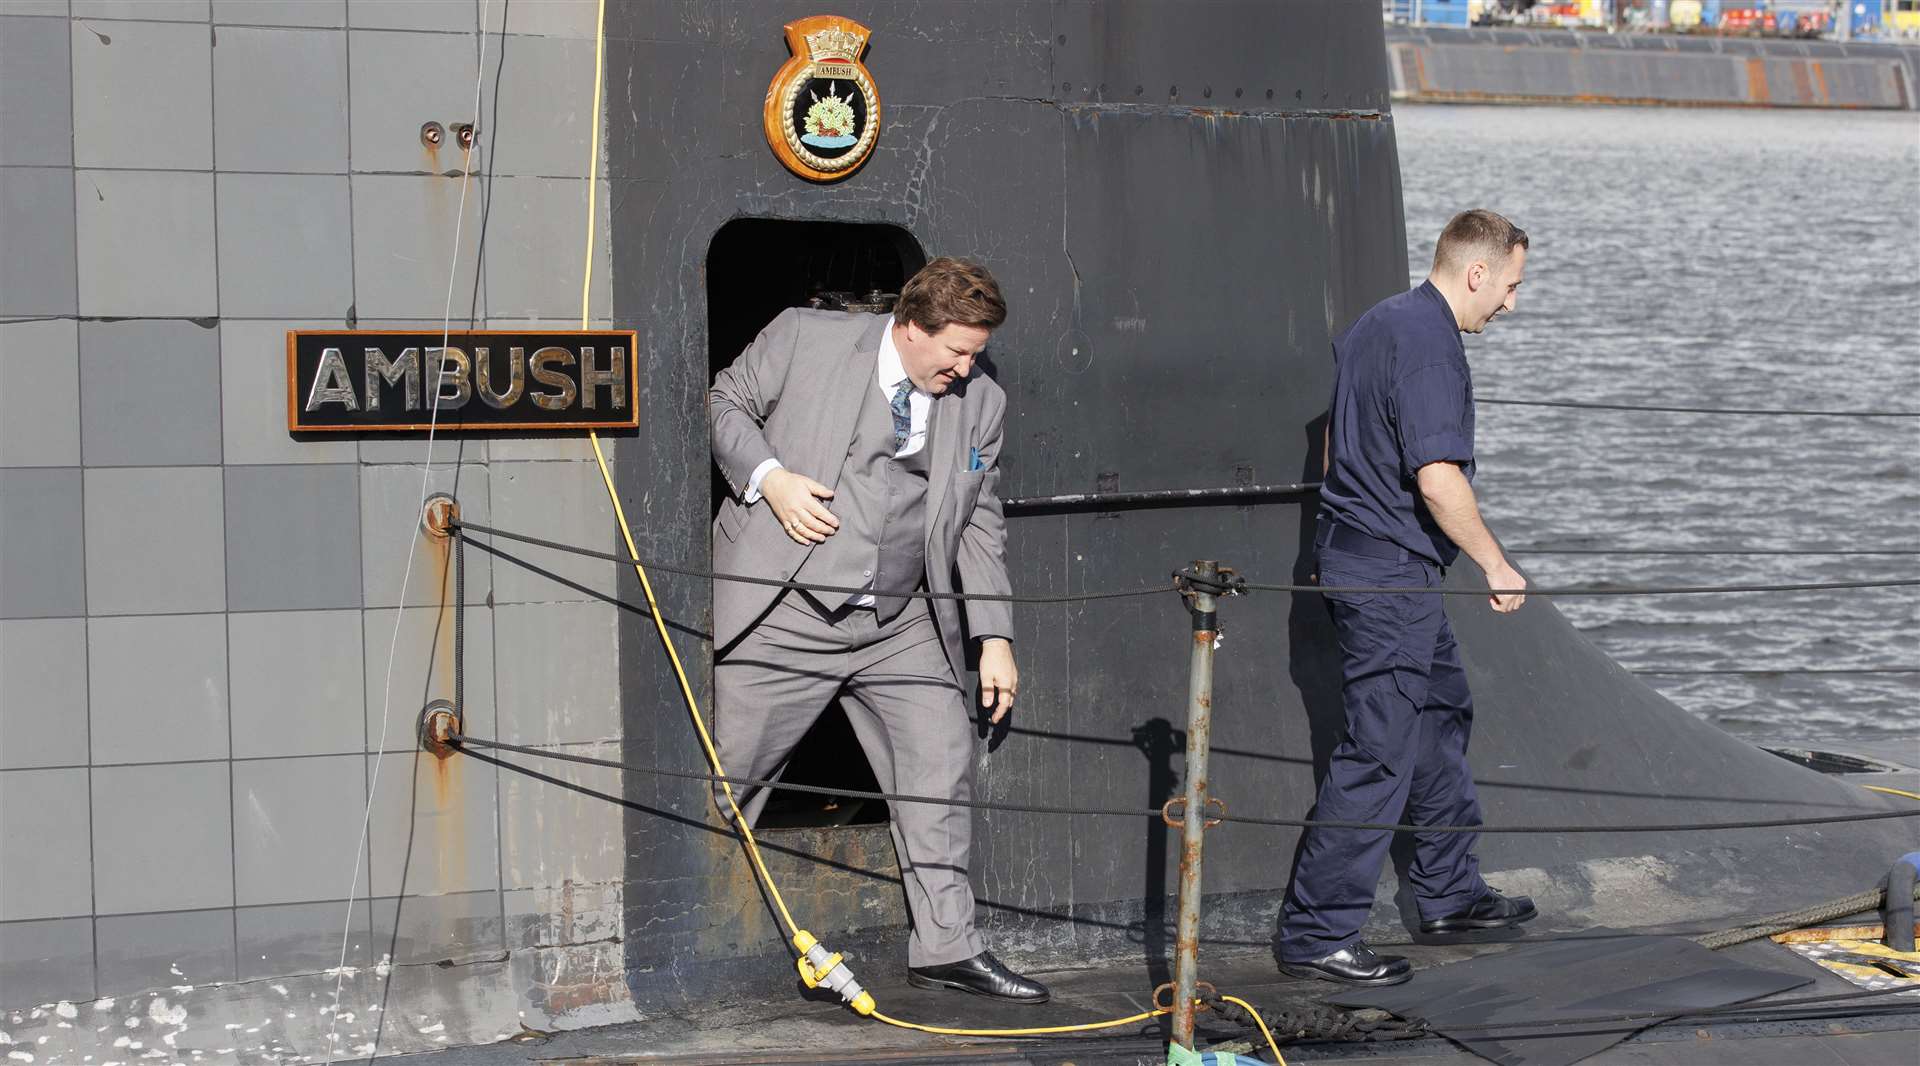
1261	1022
1892	791
666	639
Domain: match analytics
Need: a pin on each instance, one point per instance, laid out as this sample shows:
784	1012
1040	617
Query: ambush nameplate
364	381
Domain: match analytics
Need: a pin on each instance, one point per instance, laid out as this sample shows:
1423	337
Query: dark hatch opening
757	268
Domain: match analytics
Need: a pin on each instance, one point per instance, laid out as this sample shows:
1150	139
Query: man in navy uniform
1396	509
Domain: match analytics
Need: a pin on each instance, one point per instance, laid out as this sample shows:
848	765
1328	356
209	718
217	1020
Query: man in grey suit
861	454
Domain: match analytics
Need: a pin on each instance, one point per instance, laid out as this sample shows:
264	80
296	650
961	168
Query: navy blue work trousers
1402	758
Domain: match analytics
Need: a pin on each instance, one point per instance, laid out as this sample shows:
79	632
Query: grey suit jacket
795	395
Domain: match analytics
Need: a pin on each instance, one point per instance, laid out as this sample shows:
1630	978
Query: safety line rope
1151	590
1595	406
461	740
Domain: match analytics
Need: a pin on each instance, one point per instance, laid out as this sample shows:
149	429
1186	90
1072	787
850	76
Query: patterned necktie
902	416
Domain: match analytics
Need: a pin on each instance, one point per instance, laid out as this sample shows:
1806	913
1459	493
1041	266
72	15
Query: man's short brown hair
1477	235
950	290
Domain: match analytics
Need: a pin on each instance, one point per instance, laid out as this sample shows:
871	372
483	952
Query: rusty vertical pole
1202	603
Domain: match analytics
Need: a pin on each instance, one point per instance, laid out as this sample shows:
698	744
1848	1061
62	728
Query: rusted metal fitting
463	134
439	724
432	133
440	515
1174	812
1200	1000
1221	582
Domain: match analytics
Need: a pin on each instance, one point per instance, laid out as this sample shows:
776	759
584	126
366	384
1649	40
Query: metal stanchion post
1202	602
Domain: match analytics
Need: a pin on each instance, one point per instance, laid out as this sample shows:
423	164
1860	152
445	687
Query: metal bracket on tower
440	515
439	724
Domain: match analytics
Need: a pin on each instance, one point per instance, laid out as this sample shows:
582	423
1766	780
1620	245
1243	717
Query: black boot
982	975
1355	964
1491	911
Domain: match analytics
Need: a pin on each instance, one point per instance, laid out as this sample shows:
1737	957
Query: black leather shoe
1491	911
1355	964
982	975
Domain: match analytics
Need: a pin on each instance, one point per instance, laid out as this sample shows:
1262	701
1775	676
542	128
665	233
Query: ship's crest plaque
822	113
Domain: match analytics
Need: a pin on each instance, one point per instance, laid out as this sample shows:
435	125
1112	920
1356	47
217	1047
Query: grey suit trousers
909	715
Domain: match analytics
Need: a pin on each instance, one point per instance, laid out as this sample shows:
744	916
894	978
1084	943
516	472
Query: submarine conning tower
212	669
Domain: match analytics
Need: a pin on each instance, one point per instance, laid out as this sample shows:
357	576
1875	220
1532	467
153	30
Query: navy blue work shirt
1402	398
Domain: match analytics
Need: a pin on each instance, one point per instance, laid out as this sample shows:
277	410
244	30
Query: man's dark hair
950	290
1477	235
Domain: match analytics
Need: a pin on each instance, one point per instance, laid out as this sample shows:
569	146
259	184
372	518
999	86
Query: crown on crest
836	42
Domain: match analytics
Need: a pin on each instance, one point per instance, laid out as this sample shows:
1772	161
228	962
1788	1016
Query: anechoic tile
328	13
170	10
434	75
158	687
283	244
36	108
549	18
564	502
43	834
46	962
544	221
293	537
162	837
291	844
145	242
40	523
145	952
423	671
57	8
301	938
403	228
553	836
564	687
280	99
433	826
540	114
253	398
39	394
450	16
390	518
453	927
151	393
37	215
298	684
140	95
43	692
154	541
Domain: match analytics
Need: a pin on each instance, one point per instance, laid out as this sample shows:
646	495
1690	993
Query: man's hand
1504	576
795	500
999	678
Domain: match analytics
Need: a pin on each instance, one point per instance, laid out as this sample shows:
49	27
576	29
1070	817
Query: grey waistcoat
882	506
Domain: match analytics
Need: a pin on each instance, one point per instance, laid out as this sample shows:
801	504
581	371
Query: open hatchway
756	268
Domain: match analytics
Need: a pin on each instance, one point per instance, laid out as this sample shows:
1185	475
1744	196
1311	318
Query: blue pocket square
974	461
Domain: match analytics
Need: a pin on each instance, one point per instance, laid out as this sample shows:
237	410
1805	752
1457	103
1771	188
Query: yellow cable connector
817	968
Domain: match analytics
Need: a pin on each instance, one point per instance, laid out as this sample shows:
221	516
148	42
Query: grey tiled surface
433	825
552	835
35	7
154	541
283	245
434	74
549	18
162	837
301	938
43	834
158	687
152	393
390	529
39	394
423	672
568	503
139	952
458	927
297	684
145	243
544	219
294	834
40	521
280	13
37	215
293	537
280	99
35	90
403	228
43	692
140	94
455	17
253	397
564	687
178	10
45	962
541	112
